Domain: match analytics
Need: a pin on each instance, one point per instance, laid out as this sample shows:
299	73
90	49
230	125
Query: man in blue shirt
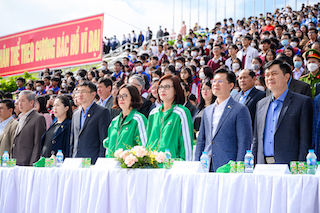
283	124
20	83
249	95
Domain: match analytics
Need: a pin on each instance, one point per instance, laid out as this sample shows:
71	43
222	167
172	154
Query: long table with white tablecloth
33	190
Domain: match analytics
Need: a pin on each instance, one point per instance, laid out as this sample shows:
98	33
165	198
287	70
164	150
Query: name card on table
187	167
273	169
71	163
107	163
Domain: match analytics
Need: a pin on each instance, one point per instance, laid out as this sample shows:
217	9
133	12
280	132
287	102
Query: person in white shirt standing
247	53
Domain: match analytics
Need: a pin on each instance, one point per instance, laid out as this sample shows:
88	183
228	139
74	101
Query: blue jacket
232	138
61	138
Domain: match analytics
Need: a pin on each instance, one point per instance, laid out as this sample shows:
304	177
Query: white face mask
261	46
253	44
313	67
162	69
283	21
265	37
255	66
173	54
63	85
209	47
187	64
235	66
133	56
259	87
39	88
202	75
103	67
296	28
139	68
268	22
294	44
178	65
194	54
78	78
202	62
288	21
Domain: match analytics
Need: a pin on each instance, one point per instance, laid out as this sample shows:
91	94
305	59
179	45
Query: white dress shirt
218	110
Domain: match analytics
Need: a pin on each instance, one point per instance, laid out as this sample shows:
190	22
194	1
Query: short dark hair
40	81
119	63
136	100
231	77
21	79
55	79
106	81
179	97
284	66
182	59
89	84
9	104
47	77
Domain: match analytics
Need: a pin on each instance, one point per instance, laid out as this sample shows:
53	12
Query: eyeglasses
166	87
206	89
82	92
123	97
217	81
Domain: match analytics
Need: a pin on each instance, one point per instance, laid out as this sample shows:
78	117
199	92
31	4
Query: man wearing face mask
285	41
180	63
268	26
313	63
247	53
159	33
40	87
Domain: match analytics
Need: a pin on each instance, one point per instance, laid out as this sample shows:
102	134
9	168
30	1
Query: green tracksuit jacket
172	130
131	132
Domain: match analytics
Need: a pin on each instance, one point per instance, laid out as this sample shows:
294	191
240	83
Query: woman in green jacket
129	128
170	125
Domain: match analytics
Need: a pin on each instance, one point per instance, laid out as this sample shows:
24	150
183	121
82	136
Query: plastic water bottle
204	160
311	162
59	158
5	158
168	159
248	162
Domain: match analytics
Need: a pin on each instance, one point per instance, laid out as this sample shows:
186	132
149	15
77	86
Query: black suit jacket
145	109
293	132
61	138
317	89
251	101
298	87
86	142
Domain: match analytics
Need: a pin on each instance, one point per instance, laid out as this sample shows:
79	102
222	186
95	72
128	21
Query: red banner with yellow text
56	46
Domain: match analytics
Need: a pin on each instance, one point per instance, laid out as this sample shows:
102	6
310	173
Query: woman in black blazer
57	137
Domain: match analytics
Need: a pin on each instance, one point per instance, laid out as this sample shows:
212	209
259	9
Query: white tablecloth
33	190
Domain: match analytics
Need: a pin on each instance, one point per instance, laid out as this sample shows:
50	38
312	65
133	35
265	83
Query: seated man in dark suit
249	95
89	125
225	131
283	125
138	82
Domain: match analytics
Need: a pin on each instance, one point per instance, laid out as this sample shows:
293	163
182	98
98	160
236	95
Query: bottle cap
204	153
311	150
59	150
248	151
167	150
5	152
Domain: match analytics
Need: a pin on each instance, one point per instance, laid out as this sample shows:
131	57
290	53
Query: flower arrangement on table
139	157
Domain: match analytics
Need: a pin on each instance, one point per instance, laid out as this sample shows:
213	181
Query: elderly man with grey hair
27	140
137	81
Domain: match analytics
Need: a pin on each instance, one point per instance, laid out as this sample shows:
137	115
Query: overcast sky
17	16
